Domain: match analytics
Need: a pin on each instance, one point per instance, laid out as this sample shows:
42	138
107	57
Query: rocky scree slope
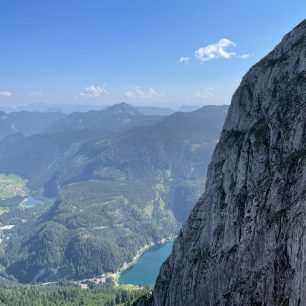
245	241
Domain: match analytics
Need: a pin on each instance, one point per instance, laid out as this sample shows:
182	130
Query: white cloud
136	92
205	93
213	51
94	91
216	50
5	94
184	60
244	56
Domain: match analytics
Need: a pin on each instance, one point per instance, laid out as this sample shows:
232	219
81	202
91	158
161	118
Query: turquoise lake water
31	202
146	269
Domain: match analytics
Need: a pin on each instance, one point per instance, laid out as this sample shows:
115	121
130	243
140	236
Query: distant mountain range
82	108
34	122
118	116
188	108
62	108
112	118
27	123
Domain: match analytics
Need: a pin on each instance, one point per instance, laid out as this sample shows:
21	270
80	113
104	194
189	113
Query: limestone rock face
245	241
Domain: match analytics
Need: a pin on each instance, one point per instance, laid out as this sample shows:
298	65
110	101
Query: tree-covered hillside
94	227
113	192
69	295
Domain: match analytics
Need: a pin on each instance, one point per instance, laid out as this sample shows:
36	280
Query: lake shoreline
114	276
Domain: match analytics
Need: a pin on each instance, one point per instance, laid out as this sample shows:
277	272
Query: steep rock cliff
245	241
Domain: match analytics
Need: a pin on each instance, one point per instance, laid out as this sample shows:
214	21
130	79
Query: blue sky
151	52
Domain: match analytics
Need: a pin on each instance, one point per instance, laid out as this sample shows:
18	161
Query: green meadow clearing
11	186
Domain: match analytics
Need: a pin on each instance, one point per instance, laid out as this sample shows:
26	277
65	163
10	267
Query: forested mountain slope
113	192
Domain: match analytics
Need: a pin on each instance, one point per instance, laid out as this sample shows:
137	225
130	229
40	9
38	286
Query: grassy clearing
11	186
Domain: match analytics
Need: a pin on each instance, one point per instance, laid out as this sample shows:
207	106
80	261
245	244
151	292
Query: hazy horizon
159	53
104	106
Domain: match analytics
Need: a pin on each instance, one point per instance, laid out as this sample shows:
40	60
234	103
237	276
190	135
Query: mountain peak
124	107
244	242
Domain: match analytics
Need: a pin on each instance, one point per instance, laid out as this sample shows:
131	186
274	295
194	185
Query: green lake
31	202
